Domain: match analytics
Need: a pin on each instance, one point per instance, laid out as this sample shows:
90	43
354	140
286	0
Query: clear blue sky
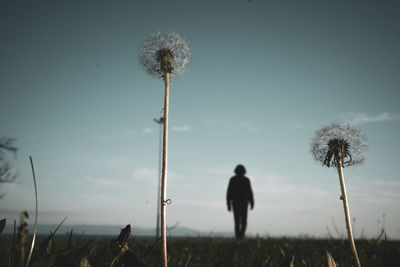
263	77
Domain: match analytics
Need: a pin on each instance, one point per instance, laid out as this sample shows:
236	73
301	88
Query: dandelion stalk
340	145
161	122
164	56
164	171
347	212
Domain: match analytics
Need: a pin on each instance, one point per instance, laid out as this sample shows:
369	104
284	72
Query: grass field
206	252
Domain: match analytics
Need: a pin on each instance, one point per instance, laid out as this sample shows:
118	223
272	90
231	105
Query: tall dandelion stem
164	56
164	173
346	211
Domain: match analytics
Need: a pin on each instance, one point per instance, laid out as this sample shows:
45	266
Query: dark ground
206	252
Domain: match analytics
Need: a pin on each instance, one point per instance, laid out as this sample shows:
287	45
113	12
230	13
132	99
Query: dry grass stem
36	214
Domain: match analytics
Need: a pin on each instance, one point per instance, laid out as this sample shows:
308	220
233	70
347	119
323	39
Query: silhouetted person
239	196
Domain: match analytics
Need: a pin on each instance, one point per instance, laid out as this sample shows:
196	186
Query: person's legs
240	212
236	216
243	222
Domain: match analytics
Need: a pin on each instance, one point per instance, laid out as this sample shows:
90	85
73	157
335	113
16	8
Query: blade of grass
13	244
2	225
60	224
36	214
330	260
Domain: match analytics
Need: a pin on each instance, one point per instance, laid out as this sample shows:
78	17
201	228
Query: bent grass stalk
36	214
330	260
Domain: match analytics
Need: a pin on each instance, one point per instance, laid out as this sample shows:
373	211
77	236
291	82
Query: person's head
240	170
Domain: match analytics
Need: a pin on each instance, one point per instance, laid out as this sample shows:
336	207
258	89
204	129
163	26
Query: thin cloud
150	176
362	118
297	125
125	134
99	181
383	190
282	188
147	175
185	128
232	124
211	123
147	130
227	170
249	127
130	131
120	134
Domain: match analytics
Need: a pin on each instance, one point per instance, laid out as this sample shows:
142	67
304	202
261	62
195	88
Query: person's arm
250	194
229	196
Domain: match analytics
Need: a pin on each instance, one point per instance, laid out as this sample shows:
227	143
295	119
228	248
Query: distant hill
112	230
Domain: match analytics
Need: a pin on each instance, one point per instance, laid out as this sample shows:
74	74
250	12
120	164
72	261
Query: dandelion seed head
164	53
165	57
334	142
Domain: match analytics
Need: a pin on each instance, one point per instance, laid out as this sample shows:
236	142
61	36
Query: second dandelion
340	146
164	56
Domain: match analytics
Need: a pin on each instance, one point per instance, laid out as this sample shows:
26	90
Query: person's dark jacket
239	192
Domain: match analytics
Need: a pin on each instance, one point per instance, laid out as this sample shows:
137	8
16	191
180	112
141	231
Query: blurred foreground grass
208	252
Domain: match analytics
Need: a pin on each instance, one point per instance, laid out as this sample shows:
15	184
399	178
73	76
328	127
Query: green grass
213	252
